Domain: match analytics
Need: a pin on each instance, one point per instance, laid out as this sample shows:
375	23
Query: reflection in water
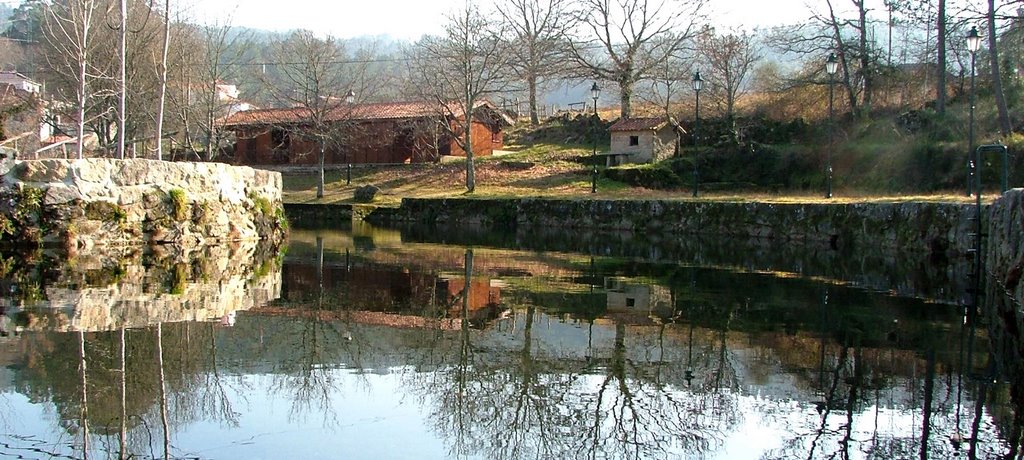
498	353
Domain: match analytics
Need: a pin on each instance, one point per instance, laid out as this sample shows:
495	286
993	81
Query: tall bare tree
122	80
537	30
830	30
731	57
940	82
460	69
317	75
669	85
994	65
207	55
624	41
67	32
163	81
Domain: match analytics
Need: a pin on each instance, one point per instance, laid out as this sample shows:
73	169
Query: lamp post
973	44
698	83
831	66
350	98
595	92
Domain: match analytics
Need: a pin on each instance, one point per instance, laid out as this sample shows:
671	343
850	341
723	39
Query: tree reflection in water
693	362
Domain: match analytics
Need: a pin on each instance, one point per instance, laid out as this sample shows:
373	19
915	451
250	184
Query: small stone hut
640	140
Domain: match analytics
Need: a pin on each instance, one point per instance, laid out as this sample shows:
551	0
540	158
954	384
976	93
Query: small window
630	302
634	140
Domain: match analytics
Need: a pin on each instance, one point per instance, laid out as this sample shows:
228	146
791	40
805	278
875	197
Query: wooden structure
372	133
640	140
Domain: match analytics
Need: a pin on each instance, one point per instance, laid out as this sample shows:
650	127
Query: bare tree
538	31
319	82
940	82
163	82
460	69
122	80
207	55
732	57
827	31
994	64
66	30
667	90
624	41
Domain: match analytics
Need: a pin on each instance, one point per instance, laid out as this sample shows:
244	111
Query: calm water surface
368	343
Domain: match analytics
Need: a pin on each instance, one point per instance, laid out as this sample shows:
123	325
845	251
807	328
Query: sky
411	19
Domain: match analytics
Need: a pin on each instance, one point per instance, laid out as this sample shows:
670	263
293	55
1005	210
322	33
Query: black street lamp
595	92
831	66
698	83
973	44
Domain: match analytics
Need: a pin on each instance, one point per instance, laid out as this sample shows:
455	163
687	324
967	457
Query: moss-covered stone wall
1005	254
940	228
88	203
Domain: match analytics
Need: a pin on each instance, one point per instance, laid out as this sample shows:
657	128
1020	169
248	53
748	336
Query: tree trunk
320	180
940	82
534	117
82	97
163	84
866	65
470	167
997	81
122	81
626	96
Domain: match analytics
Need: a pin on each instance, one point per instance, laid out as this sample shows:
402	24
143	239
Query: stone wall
81	204
937	228
1004	260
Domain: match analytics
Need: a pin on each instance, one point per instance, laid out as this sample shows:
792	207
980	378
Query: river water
450	343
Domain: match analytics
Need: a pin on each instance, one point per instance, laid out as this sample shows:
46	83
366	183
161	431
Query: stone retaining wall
103	202
914	226
1004	260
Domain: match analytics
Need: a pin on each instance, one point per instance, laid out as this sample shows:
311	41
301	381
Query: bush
366	193
658	176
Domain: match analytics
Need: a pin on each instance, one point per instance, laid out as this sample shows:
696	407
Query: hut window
634	140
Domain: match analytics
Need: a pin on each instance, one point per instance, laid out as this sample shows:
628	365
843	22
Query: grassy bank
901	157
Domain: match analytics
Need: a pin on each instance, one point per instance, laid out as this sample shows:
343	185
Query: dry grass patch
541	171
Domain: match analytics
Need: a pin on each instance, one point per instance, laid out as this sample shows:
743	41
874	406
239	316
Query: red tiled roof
360	112
355	112
638	124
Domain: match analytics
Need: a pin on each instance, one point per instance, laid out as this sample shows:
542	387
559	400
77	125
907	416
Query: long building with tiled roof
382	132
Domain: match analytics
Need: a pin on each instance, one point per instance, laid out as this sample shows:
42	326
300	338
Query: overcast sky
410	19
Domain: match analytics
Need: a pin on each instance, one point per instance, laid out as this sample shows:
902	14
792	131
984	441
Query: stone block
132	172
59	194
42	171
94	171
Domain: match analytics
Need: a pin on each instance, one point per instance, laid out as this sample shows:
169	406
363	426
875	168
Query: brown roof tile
357	112
639	124
362	112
